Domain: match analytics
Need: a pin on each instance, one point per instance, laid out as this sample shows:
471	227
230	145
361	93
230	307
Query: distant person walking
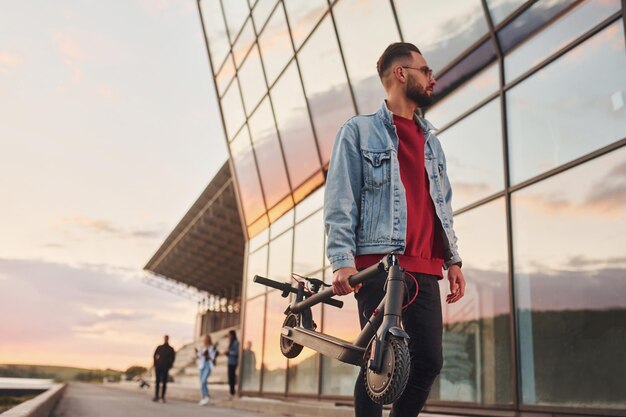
205	358
164	356
233	361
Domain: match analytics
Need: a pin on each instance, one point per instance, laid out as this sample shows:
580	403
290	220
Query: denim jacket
365	202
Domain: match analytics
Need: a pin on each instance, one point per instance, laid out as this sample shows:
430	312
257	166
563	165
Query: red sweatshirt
424	250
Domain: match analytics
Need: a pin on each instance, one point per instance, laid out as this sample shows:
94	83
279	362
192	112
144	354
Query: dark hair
233	334
393	51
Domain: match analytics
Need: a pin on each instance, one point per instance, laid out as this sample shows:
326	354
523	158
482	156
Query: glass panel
571	107
274	363
477	331
275	44
259	240
303	16
252	345
232	110
366	28
308	252
236	12
225	76
464	97
566	29
268	154
280	208
282	224
338	378
257	265
215	31
258	226
243	43
261	12
251	79
445	30
247	177
310	204
528	22
570	276
326	85
501	9
304	370
294	127
475	166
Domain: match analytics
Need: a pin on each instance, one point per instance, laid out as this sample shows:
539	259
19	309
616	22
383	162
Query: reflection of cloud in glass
215	31
441	30
275	44
555	115
303	15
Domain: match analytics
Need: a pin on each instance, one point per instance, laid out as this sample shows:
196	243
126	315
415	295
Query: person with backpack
205	358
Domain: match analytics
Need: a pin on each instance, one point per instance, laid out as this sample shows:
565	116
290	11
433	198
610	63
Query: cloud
106	92
8	61
53	245
582	261
71	53
104	227
609	194
90	315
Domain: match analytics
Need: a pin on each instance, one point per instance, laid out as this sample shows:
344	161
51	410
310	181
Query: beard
418	94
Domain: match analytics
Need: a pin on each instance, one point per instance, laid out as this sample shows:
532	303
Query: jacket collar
387	117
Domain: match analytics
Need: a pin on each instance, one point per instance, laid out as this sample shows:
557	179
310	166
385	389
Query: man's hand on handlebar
340	280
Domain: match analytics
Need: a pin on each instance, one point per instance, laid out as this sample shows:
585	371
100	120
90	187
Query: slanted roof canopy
206	249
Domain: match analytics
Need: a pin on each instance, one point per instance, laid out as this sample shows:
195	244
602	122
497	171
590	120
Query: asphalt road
92	400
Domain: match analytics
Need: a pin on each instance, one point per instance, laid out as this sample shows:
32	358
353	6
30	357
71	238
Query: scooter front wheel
288	347
386	386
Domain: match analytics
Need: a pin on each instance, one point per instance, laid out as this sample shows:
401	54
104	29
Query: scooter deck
325	344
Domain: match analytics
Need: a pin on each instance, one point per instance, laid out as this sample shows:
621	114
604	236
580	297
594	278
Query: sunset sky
110	131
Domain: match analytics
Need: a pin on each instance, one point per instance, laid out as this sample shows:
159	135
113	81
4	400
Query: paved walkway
92	400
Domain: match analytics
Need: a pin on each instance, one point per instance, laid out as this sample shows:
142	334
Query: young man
388	190
164	356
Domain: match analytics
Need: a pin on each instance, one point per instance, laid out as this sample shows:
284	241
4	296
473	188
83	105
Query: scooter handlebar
324	296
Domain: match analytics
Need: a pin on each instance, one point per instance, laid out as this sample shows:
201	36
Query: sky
110	130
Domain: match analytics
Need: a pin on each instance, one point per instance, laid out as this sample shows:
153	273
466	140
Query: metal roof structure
206	249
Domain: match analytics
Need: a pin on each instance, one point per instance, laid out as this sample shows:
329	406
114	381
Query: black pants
161	377
232	378
423	322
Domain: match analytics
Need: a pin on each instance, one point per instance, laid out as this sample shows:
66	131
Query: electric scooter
381	349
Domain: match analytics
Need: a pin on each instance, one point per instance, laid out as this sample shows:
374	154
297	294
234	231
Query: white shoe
204	401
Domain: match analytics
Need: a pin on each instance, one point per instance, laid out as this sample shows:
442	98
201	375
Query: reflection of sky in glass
473	149
268	154
501	9
294	127
572	107
574	23
261	12
274	363
366	28
549	251
257	265
251	79
281	224
326	85
310	204
236	12
476	328
441	30
279	268
464	97
215	31
232	109
243	43
226	74
337	377
276	49
258	240
303	16
251	356
308	251
569	236
247	177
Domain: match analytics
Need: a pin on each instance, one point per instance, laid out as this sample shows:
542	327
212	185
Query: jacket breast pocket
377	167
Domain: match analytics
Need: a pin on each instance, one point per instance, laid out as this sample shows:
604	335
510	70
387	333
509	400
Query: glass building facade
530	107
